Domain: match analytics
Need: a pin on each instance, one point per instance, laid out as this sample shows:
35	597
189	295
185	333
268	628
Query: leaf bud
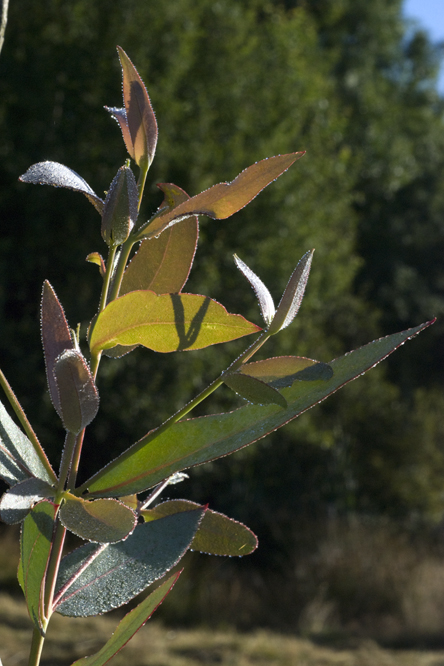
121	207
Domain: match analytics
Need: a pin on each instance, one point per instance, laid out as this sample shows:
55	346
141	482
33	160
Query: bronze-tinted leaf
56	337
166	323
59	175
140	116
79	399
225	199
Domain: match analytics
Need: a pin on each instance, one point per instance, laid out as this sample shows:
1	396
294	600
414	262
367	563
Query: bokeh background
347	500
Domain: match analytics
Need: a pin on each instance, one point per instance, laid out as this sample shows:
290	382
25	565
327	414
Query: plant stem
3	22
120	268
36	648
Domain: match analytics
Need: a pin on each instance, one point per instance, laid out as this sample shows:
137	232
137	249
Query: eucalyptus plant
132	539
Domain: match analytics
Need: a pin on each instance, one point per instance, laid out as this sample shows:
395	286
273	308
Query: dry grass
154	645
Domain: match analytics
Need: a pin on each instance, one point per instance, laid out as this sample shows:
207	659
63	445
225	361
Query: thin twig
3	22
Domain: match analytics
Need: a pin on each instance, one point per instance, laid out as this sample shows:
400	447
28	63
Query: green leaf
101	521
217	534
35	547
56	338
292	297
166	323
254	390
120	571
17	502
225	199
18	458
59	175
281	371
163	264
196	441
130	624
121	207
78	396
137	120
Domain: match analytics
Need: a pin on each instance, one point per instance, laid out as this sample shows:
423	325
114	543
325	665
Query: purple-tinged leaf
79	399
254	390
292	297
217	534
263	295
35	549
163	264
18	458
225	199
101	521
59	175
17	502
281	371
56	338
130	625
121	207
141	137
188	443
166	323
121	571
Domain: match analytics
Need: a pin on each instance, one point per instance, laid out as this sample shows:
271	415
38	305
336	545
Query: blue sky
430	15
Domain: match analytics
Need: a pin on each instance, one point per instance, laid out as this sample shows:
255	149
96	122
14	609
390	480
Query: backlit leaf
130	624
56	338
225	199
263	295
254	390
282	371
140	117
121	571
101	521
292	297
18	458
199	440
59	175
35	549
166	323
17	502
78	396
217	534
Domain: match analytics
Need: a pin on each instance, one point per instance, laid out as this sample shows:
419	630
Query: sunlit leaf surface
101	521
18	501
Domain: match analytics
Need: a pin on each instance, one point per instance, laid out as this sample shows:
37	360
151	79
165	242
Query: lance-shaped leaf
137	120
121	571
79	399
121	207
225	199
163	264
35	549
130	625
166	323
196	441
56	338
254	390
281	371
18	458
59	175
17	502
263	295
101	521
217	534
292	297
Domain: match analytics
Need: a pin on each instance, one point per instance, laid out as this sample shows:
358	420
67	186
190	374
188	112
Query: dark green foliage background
232	83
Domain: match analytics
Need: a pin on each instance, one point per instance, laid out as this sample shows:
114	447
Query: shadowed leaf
281	371
199	440
254	390
225	199
166	323
18	458
121	571
59	175
18	500
101	521
130	624
217	534
35	549
79	400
